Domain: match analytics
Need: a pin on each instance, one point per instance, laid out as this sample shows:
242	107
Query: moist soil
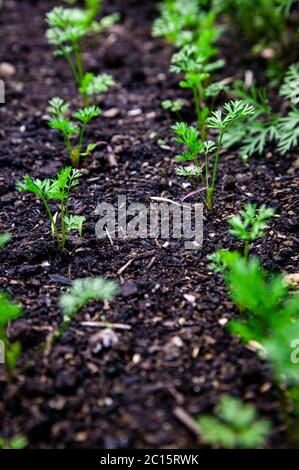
169	348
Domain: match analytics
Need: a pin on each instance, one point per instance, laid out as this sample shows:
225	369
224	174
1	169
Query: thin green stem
68	145
78	60
207	170
195	157
81	138
63	228
72	68
211	189
53	224
246	249
197	107
203	118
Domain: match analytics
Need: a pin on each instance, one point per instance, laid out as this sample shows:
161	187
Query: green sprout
270	320
59	189
265	24
9	311
235	425
196	148
67	29
183	22
58	110
197	70
81	293
175	106
288	126
16	442
250	224
4	238
255	132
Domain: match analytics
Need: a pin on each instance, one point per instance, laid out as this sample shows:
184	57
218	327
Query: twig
123	268
187	420
104	324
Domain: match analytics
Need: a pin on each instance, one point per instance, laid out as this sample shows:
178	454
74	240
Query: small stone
7	70
111	113
128	288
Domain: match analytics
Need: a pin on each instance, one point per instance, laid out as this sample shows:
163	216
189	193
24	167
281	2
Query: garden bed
171	348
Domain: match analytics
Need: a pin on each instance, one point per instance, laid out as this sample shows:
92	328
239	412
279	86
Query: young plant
250	224
58	111
67	29
235	425
196	148
233	111
256	131
186	22
4	238
175	106
16	442
288	126
58	189
197	70
178	21
265	127
264	25
9	311
270	319
81	293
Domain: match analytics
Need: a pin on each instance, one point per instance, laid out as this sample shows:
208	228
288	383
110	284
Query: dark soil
175	351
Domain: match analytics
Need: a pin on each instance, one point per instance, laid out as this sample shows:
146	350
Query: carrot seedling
199	152
81	292
235	426
9	311
67	29
250	224
59	120
58	189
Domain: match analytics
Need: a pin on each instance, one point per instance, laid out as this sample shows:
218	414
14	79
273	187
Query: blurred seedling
67	29
81	292
16	442
235	426
9	311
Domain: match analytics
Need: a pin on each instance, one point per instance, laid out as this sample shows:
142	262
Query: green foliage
58	110
67	29
233	110
58	188
16	442
196	147
264	24
4	238
290	86
191	26
197	70
264	127
288	131
180	21
85	290
257	130
81	293
288	126
270	317
9	311
250	223
175	106
236	425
